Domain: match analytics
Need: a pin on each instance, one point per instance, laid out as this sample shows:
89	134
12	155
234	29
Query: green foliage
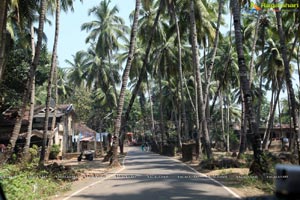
55	149
43	69
16	73
34	155
15	76
34	187
34	150
28	179
81	99
135	116
247	158
233	138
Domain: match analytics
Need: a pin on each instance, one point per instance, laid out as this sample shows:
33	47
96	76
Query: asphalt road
148	176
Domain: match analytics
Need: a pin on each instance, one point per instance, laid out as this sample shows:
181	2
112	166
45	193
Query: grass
238	180
28	182
238	177
25	180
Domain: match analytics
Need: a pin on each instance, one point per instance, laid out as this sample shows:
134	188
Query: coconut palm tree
92	71
202	119
289	84
16	19
106	30
272	62
76	70
124	83
20	27
64	4
32	103
155	32
99	72
64	90
30	81
182	103
165	68
258	164
210	67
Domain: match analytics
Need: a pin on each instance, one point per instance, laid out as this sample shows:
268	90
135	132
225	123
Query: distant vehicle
89	155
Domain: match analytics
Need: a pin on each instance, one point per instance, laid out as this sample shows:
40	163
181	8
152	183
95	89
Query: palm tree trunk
202	119
151	109
32	101
30	120
55	99
222	119
115	161
220	84
270	113
161	113
260	79
49	87
214	52
183	109
259	98
177	121
279	117
243	129
53	123
270	123
288	80
189	94
33	67
292	136
257	167
228	125
3	19
143	72
112	79
253	48
198	128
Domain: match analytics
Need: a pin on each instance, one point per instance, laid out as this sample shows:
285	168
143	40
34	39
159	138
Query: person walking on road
143	146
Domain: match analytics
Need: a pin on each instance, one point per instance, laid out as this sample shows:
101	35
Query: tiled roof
83	128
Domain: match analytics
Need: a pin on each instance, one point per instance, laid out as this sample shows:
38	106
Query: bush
55	149
27	181
34	150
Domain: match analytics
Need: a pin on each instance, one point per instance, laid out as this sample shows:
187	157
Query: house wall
68	132
58	138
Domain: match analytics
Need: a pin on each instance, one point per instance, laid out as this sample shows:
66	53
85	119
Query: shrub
55	149
29	182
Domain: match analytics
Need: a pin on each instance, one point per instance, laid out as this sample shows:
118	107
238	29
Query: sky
71	38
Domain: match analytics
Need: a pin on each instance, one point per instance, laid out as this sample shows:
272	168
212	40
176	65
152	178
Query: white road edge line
92	184
214	180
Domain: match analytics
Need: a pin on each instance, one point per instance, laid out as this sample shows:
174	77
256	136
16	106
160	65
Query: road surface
149	176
